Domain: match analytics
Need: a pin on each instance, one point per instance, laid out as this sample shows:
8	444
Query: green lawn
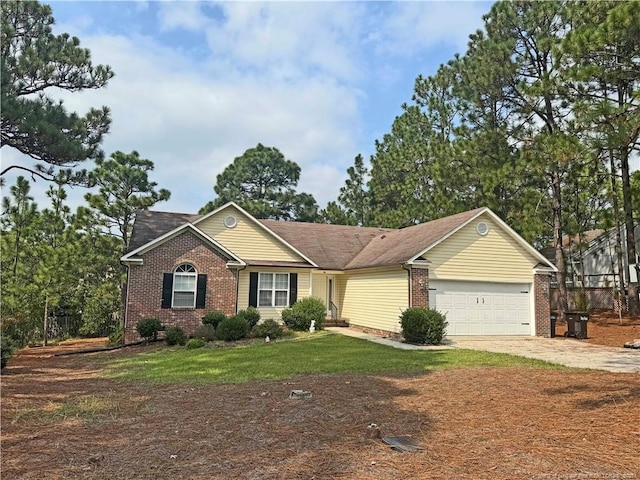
330	353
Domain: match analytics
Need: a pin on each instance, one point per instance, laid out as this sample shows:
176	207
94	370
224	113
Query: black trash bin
577	324
554	319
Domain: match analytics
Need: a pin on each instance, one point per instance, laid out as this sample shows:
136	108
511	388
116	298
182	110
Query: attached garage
484	308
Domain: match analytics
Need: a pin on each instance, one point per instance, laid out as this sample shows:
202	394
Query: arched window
184	286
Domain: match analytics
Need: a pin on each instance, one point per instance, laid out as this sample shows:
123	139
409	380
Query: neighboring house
471	266
591	259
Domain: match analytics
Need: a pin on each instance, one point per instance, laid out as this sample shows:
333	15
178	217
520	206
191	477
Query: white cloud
186	15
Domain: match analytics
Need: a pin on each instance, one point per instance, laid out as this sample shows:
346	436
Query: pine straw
499	423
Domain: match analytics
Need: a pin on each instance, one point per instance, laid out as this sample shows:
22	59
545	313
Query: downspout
407	267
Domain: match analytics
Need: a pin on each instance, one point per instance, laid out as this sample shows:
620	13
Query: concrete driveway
569	352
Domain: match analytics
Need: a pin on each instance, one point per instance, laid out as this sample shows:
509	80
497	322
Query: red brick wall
144	297
419	287
542	305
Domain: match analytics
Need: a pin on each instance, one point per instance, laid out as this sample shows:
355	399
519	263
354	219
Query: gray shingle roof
331	247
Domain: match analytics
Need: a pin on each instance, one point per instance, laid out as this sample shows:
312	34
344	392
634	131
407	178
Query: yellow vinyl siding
319	286
304	282
247	239
495	257
374	298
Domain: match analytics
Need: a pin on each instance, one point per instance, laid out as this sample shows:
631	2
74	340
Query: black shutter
253	289
201	293
167	289
293	288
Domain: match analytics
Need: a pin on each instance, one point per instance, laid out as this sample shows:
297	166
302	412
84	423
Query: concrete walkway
569	352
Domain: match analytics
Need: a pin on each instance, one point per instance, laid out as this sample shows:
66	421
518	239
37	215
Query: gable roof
150	225
328	247
331	247
401	246
259	224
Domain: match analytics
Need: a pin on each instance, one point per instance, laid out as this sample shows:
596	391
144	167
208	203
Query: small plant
6	350
251	315
303	312
175	336
195	343
148	328
206	333
423	325
233	328
268	328
117	337
213	318
581	300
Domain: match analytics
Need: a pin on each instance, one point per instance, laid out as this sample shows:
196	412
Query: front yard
154	412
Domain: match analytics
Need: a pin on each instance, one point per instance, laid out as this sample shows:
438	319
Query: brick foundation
378	332
144	298
419	287
542	305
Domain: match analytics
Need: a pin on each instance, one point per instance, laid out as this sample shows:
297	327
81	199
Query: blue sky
198	83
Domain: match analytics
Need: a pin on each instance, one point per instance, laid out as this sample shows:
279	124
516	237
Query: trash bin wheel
580	336
566	334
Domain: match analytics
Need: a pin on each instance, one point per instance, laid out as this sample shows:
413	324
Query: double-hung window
184	286
273	289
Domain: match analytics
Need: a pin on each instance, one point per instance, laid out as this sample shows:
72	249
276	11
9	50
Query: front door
330	282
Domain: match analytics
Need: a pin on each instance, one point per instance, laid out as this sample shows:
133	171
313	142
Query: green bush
213	318
423	325
148	328
303	312
251	315
206	333
233	328
117	337
6	350
195	343
175	336
268	328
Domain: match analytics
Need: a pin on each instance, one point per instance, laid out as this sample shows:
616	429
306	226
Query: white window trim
273	289
193	274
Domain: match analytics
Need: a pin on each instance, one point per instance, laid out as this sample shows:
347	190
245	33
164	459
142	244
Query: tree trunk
45	333
630	233
616	210
557	241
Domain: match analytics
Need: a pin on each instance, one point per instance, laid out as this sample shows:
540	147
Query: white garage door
483	308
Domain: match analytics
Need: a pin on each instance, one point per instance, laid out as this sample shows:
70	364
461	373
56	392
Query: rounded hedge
233	328
213	318
148	328
175	336
303	312
423	325
251	315
268	328
206	333
195	343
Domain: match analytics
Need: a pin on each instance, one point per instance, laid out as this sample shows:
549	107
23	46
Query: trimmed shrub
303	312
206	333
175	336
195	343
117	337
148	328
268	328
6	350
423	325
233	328
213	318
251	315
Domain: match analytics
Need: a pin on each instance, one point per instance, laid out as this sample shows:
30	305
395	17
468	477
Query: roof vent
482	228
230	221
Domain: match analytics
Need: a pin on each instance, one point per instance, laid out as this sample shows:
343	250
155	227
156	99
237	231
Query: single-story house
470	266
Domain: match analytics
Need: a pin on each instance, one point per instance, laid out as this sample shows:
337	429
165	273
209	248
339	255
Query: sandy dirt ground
61	419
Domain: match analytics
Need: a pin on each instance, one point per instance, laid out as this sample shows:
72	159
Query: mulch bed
606	328
474	423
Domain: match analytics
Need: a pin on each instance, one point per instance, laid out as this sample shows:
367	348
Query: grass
86	409
326	353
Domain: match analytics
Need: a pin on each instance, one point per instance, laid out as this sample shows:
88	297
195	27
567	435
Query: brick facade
419	286
542	305
144	297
